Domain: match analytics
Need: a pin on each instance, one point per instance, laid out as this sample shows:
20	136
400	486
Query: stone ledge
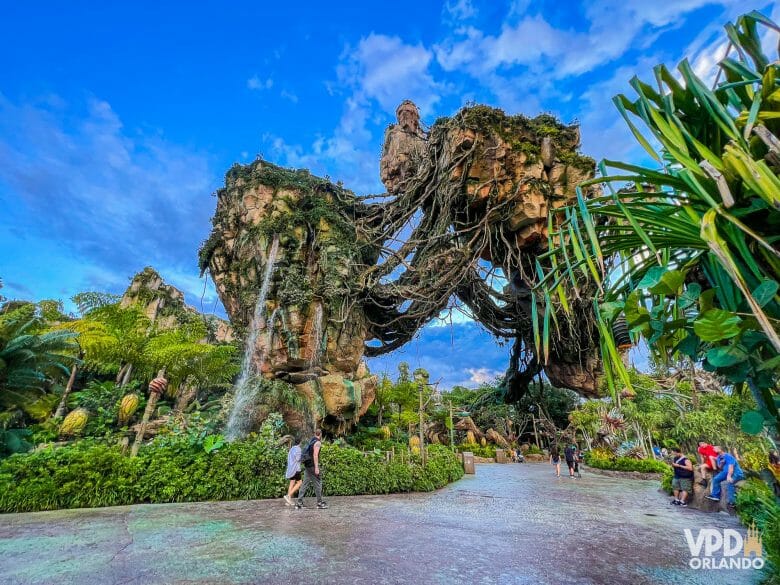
624	474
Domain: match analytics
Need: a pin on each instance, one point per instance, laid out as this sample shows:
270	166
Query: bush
602	459
666	480
88	474
488	451
756	503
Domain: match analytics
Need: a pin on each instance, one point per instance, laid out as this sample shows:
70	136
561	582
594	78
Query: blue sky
118	121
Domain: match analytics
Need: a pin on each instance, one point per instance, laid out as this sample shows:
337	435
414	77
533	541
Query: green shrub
534	450
89	474
756	504
601	459
666	480
488	451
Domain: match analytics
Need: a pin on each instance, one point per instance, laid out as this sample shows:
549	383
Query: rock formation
312	329
164	305
470	210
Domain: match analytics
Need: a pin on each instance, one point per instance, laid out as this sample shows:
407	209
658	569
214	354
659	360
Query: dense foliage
686	251
603	459
757	506
89	474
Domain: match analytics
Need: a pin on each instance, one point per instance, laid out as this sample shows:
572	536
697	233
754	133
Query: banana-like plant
688	250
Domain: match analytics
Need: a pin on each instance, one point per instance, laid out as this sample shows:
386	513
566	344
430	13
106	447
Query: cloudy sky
117	123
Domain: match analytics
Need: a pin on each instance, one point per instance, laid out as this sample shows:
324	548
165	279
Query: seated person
730	472
708	460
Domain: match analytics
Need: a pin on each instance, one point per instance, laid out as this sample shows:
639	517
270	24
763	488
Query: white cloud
460	9
377	75
386	70
288	95
483	375
115	198
613	27
256	83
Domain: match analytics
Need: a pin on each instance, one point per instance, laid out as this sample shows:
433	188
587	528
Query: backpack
307	456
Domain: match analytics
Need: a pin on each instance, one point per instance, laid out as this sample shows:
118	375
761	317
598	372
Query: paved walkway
508	524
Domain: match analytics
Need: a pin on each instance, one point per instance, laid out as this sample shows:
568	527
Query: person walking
730	471
311	471
293	472
568	454
555	459
682	482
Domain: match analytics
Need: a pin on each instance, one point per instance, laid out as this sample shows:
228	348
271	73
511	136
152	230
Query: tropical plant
188	361
110	339
687	251
29	357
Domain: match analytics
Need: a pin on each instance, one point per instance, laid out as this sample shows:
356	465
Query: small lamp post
422	382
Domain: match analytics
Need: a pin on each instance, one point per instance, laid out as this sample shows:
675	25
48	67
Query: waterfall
316	336
244	397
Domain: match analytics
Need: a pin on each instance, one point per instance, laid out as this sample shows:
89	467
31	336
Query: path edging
625	474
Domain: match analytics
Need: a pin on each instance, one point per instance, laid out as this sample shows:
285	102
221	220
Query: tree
110	339
189	362
29	358
687	252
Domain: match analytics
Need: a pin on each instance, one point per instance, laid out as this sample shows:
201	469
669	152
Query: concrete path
508	524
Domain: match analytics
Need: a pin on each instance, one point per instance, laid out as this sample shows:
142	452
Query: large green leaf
717	324
689	346
689	297
670	283
723	357
610	310
652	277
765	292
752	422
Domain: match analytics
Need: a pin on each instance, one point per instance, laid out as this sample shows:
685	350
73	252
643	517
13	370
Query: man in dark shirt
311	471
682	482
568	454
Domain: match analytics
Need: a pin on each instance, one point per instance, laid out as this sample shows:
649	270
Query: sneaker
682	505
298	505
713	498
322	505
287	500
675	502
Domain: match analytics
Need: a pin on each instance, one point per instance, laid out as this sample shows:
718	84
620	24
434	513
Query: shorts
570	463
684	484
296	477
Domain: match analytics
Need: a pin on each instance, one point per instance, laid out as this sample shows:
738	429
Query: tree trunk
126	377
694	394
121	373
186	394
153	398
61	407
379	416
